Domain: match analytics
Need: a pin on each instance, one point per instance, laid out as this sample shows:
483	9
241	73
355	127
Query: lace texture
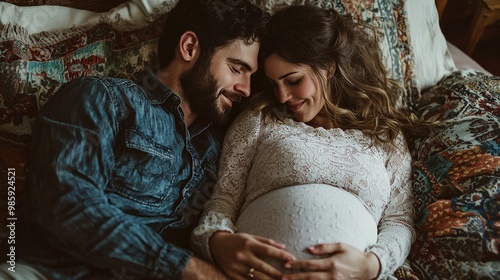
259	157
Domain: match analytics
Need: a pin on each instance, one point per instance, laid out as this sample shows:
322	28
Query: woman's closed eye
293	82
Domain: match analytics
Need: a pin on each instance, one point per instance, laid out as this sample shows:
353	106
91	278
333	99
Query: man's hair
215	23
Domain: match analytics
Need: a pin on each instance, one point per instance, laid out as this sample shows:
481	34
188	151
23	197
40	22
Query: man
118	167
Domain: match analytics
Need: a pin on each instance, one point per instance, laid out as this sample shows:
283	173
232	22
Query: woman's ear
189	46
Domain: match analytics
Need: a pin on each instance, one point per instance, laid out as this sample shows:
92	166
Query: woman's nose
282	94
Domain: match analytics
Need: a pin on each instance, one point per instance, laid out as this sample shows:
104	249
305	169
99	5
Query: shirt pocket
145	171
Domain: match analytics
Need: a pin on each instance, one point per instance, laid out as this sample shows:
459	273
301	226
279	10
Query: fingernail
288	265
312	248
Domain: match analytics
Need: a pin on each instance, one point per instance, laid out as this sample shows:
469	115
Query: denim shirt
113	168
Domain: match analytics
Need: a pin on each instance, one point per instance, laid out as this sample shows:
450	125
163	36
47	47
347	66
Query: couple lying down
314	176
318	162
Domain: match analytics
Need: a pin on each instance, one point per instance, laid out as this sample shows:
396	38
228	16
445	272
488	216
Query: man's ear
332	69
189	46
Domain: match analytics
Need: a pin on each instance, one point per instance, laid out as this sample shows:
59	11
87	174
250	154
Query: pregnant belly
304	215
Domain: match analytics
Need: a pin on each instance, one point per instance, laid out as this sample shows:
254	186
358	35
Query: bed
456	170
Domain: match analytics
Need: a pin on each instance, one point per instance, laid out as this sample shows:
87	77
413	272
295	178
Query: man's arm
71	165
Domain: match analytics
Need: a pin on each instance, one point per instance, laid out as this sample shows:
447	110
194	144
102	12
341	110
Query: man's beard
199	87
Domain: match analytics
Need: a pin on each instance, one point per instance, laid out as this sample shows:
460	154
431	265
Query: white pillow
132	14
432	59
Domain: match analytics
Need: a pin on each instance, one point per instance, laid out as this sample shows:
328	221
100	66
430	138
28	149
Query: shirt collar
156	91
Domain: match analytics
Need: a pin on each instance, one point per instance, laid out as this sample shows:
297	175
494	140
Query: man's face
213	87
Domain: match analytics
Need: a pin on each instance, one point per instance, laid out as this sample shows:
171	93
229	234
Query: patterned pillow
457	180
389	20
33	67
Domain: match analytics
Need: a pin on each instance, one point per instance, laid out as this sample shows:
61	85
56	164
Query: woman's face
297	86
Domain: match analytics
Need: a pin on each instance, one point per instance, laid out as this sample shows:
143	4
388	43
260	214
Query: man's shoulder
93	92
102	80
139	86
88	87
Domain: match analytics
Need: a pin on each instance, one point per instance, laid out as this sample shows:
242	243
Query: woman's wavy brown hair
359	94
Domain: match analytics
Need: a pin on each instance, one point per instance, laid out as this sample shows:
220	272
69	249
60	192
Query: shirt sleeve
71	163
222	208
396	231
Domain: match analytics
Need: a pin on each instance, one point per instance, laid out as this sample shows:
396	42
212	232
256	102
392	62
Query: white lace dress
303	186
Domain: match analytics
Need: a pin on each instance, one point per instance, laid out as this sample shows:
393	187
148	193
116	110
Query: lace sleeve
236	158
396	232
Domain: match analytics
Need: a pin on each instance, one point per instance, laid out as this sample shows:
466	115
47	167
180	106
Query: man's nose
243	86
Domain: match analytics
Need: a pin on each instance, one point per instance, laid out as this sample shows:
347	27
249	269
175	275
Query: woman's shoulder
397	147
249	116
247	120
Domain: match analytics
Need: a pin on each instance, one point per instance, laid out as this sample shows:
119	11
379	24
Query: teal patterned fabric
31	73
457	180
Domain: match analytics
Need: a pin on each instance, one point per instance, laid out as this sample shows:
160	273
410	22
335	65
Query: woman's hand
343	262
237	253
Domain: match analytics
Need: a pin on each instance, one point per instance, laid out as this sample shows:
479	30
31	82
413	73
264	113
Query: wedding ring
250	272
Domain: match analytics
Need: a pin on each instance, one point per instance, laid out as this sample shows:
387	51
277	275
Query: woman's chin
301	118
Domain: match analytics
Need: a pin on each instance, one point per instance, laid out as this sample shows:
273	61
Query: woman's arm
396	232
215	238
221	209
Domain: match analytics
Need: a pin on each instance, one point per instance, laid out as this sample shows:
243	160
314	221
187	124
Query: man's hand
198	269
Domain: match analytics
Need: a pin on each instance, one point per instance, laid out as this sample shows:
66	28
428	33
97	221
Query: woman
320	165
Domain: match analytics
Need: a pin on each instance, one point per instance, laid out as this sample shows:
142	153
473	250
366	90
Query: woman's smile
295	106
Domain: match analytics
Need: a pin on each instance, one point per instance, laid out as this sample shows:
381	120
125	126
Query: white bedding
463	61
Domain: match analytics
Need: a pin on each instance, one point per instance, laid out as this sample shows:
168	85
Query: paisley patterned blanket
457	180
